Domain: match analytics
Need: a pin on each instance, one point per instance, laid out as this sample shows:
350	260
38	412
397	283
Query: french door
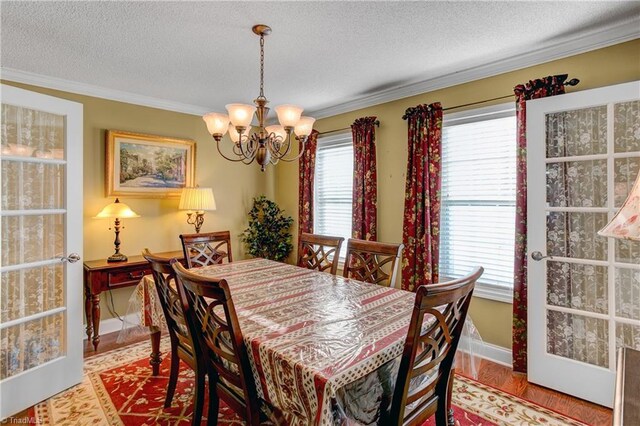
583	289
41	299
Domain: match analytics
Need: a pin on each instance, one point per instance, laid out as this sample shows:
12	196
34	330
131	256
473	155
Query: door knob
72	258
537	256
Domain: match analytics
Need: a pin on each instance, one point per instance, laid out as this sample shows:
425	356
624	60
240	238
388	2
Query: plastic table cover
323	349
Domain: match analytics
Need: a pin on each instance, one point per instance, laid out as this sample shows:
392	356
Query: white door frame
579	379
36	384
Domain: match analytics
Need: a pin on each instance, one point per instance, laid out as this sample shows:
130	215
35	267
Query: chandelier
268	144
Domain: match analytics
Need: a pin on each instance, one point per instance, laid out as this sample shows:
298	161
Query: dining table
323	349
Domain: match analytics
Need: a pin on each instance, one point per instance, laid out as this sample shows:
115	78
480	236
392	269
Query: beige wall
612	65
234	185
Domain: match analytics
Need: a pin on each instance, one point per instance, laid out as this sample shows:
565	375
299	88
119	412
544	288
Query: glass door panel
41	296
584	297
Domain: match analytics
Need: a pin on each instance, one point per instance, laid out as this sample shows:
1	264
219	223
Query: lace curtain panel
574	234
29	238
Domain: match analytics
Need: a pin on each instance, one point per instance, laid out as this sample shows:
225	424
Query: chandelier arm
248	159
221	153
302	148
251	147
286	151
239	149
272	140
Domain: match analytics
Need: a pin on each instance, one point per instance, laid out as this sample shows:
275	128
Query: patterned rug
118	389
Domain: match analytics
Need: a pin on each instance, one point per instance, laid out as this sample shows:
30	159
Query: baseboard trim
112	325
487	351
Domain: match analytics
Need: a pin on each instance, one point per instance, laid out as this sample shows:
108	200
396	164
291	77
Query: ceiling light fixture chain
268	144
261	96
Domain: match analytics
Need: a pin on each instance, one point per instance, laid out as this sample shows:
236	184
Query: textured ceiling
320	53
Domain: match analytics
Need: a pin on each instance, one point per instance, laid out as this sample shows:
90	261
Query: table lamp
118	211
626	223
197	201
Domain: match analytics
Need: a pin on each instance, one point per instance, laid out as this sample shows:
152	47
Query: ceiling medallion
267	144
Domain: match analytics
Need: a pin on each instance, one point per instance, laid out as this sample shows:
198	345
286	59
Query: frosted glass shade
288	115
278	130
217	123
198	199
626	223
117	209
235	136
304	126
241	114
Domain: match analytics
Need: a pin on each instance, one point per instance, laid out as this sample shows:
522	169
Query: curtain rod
377	123
572	82
479	102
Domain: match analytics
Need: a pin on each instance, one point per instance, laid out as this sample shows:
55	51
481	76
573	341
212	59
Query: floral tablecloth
324	349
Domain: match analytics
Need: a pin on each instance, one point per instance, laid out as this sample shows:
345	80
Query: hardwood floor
503	378
490	373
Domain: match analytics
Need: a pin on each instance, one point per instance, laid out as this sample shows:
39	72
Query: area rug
118	389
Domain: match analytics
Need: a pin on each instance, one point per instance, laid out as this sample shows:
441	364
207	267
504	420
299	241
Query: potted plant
268	235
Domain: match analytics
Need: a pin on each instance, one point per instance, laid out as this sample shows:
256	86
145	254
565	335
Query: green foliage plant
268	235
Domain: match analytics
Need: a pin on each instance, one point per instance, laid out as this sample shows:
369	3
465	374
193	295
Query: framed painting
147	166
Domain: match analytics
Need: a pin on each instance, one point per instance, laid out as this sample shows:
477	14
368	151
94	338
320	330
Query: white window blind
478	197
333	188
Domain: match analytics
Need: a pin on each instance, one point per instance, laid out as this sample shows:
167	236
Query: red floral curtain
541	88
365	181
421	225
306	170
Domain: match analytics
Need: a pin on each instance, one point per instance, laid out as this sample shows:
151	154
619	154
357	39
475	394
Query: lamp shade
198	199
626	223
288	115
216	123
304	126
241	114
117	209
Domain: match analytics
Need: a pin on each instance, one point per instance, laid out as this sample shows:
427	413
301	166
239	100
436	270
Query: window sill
499	294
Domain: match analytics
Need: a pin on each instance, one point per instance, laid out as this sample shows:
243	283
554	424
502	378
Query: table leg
450	420
155	358
95	312
88	313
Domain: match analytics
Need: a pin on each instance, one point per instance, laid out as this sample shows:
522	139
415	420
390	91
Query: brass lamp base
117	257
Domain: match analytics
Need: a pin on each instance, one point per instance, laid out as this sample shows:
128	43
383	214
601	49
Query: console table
100	275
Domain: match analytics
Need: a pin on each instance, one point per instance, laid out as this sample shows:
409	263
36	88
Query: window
479	197
333	188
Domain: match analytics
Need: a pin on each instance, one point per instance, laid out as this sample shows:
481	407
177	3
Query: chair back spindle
209	248
428	355
372	261
165	282
319	252
210	313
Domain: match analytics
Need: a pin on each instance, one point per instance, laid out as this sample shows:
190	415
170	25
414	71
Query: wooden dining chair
319	252
182	343
211	315
209	248
372	261
430	352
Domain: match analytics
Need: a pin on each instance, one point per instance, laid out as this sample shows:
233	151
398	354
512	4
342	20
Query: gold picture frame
154	166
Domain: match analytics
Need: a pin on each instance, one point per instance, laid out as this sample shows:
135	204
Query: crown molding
579	43
40	80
